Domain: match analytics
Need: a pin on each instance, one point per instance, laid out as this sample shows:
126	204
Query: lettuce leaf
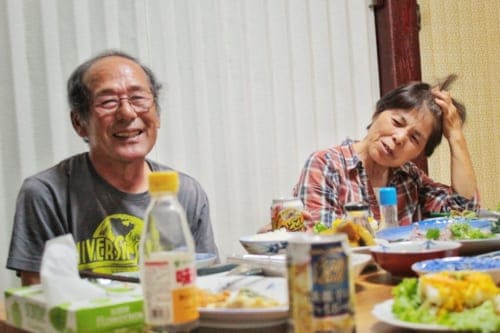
408	306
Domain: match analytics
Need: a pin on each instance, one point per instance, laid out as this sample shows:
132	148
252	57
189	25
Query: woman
407	121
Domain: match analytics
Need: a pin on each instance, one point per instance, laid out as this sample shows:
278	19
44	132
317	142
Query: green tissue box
120	311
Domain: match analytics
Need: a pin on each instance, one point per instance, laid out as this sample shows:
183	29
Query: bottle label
168	282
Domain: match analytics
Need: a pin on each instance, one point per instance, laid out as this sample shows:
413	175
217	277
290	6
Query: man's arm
29	278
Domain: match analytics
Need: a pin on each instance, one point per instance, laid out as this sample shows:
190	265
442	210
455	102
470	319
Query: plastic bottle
388	207
167	262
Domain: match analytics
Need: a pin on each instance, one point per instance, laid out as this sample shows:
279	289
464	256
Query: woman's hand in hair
452	119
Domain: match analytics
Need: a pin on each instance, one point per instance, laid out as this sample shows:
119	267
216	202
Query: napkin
59	276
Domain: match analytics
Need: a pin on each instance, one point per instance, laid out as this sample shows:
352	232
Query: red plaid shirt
336	176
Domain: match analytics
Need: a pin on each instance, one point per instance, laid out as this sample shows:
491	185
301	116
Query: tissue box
119	312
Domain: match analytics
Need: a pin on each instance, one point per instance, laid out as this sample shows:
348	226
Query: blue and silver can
320	286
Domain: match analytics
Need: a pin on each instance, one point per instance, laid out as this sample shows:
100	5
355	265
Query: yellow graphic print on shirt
114	246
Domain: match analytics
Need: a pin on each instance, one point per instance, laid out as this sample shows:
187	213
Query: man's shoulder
56	177
62	169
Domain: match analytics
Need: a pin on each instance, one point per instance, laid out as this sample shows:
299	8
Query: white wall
251	88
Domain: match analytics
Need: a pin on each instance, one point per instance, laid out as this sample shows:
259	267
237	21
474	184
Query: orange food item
357	235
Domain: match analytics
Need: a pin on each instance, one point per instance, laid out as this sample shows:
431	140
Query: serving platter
469	246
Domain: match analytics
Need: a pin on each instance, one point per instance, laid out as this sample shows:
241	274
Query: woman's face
397	136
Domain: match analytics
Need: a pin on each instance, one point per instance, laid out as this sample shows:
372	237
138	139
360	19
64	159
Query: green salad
459	231
410	306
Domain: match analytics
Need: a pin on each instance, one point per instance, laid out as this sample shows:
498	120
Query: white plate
205	259
478	246
275	265
383	312
274	287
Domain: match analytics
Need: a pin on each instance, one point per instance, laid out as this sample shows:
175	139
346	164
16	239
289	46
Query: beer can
287	213
320	285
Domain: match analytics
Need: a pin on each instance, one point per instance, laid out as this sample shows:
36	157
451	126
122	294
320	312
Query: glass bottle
388	201
358	212
167	260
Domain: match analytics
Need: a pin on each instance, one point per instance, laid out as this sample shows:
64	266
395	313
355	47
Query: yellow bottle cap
163	181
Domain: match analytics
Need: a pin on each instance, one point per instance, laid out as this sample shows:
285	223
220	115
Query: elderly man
100	196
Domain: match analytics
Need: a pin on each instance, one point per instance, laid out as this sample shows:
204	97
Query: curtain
250	89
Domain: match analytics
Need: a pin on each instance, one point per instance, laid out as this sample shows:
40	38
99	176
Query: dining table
373	286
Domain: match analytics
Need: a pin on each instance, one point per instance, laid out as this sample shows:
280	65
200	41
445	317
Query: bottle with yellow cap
167	262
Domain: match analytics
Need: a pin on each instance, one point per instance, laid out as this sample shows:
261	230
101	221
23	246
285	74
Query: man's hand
29	278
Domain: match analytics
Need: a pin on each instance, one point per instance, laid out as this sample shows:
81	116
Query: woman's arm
463	178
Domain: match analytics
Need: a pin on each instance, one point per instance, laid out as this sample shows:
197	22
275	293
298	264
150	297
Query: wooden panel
397	25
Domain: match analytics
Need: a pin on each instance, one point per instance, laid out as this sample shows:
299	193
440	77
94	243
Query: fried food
357	234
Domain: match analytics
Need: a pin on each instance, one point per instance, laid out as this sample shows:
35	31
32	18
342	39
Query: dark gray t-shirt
106	223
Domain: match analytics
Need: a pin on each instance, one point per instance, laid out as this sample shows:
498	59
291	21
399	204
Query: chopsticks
123	278
94	275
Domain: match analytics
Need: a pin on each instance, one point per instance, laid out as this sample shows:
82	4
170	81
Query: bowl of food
397	258
268	243
276	242
489	265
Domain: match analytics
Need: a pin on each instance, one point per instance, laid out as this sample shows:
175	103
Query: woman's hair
418	96
79	95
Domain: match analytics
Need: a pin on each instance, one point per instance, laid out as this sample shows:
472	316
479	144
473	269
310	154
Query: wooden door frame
397	24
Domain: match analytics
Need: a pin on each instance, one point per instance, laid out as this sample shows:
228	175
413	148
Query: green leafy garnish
464	230
432	233
319	227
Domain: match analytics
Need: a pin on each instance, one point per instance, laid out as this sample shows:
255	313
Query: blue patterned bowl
490	265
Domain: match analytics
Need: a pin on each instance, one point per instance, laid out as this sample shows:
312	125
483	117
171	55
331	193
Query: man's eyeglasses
140	103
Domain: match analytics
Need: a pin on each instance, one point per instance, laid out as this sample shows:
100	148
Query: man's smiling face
123	135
